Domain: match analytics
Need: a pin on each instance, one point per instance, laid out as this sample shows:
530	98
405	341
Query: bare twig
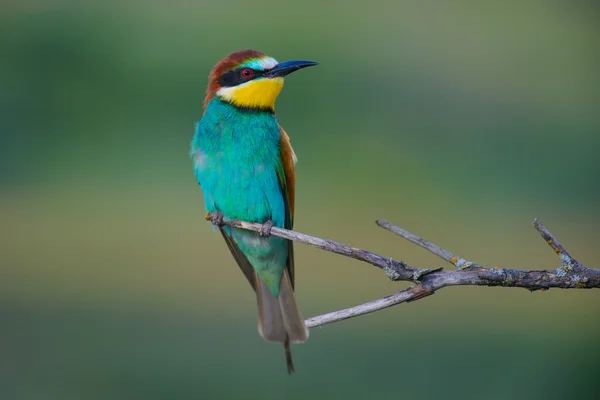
362	309
570	275
458	262
396	270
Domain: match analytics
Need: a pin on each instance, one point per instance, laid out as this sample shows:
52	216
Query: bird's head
250	79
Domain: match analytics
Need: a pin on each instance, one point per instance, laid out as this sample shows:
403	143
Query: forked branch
570	275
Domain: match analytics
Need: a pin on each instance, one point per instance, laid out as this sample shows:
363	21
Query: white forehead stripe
267	62
261	64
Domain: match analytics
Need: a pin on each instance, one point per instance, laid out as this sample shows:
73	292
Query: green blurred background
459	121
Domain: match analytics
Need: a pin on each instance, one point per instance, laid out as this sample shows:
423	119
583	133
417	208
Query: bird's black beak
287	67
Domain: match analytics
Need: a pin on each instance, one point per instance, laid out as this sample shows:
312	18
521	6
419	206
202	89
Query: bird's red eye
247	73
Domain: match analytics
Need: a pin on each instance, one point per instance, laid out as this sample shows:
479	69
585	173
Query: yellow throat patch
258	93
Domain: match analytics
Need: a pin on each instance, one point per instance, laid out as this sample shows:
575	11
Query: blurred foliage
457	121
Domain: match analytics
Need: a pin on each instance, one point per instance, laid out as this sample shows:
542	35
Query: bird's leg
265	230
215	218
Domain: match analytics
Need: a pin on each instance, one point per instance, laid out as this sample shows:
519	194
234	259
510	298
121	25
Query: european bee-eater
244	163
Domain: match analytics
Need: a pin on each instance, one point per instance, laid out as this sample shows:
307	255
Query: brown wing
288	186
288	160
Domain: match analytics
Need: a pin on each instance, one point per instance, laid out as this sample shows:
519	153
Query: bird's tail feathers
279	319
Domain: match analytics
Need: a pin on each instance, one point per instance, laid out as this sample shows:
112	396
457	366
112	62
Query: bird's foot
265	230
215	218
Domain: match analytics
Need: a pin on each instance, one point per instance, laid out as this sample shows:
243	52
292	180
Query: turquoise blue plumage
244	163
236	157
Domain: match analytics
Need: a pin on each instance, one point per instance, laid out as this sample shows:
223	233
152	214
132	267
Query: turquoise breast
236	156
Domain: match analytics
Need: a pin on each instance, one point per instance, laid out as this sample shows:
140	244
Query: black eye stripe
235	77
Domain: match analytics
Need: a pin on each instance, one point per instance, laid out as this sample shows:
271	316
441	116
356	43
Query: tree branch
570	275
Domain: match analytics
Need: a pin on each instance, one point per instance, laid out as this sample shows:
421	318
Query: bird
245	166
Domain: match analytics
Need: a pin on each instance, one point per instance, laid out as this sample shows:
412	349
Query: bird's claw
215	218
265	230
